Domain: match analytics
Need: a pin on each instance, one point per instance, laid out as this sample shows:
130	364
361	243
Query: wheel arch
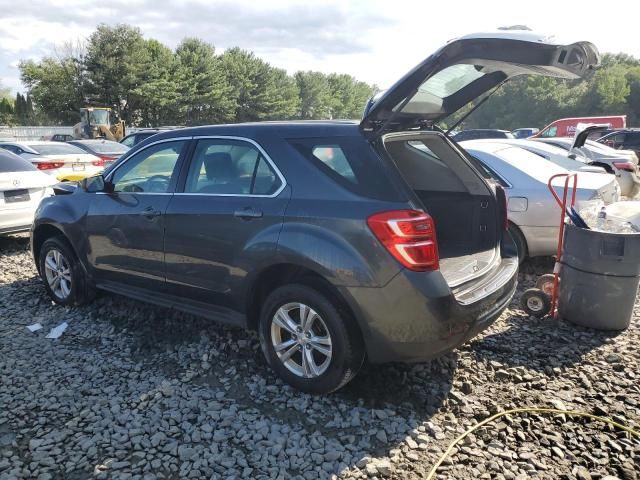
279	274
40	235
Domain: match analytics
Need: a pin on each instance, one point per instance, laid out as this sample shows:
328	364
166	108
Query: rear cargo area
461	204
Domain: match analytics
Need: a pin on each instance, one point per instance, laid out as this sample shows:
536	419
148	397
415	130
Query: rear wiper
475	107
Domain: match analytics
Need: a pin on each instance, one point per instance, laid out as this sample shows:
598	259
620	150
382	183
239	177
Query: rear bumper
416	316
16	220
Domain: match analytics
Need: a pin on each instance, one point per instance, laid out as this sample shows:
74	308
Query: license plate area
77	167
15	196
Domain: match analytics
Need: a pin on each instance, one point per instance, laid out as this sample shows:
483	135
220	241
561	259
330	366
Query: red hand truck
543	299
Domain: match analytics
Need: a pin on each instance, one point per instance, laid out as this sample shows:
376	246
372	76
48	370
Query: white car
534	215
22	187
553	154
63	161
622	163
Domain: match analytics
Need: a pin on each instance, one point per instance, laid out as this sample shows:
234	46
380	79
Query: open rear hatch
446	183
466	68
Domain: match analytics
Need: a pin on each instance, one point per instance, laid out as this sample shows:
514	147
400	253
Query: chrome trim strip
283	181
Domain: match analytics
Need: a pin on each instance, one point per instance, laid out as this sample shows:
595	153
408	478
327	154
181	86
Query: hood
468	67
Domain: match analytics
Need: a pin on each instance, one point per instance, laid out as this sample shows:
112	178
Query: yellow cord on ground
554	411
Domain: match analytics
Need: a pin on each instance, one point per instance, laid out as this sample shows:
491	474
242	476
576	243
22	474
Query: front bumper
416	316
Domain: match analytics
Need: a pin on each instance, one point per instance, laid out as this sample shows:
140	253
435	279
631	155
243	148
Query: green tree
116	61
205	96
315	95
259	91
348	96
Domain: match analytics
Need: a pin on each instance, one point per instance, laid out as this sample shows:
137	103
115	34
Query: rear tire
63	276
308	341
535	302
520	241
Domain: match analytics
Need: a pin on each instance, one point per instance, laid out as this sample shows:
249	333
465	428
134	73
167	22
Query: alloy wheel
301	340
58	274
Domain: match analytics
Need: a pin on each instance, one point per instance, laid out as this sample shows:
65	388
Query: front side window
149	171
230	167
550	132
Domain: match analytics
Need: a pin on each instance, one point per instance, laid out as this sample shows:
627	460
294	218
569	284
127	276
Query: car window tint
351	162
149	171
334	158
230	167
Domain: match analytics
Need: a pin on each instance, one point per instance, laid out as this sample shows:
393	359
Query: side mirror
97	184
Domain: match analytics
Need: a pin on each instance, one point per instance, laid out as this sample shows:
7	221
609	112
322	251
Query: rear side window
351	162
12	163
230	167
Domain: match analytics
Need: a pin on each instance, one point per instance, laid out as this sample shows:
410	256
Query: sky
375	41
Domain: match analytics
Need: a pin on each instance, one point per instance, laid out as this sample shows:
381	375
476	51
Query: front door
227	216
125	228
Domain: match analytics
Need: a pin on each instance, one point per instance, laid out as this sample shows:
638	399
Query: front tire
63	276
308	341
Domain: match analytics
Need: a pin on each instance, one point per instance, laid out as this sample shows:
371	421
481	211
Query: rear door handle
150	213
247	213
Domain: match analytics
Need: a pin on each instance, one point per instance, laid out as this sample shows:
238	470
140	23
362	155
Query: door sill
213	312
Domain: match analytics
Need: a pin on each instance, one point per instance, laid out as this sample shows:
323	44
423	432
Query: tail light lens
104	159
48	165
503	207
626	166
409	236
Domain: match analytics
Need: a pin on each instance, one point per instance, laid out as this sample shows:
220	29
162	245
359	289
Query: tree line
149	84
534	101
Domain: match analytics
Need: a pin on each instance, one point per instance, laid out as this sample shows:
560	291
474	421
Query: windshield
529	163
57	148
107	147
99	117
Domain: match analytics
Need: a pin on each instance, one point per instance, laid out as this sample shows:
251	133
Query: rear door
468	67
125	228
225	218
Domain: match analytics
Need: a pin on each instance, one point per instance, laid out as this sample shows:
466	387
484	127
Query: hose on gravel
552	411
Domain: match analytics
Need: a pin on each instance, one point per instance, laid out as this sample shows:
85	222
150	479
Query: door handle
150	213
247	213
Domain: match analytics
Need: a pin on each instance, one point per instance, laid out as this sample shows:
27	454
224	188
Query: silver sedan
534	216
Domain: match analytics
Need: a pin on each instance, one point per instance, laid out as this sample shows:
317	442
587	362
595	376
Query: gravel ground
133	391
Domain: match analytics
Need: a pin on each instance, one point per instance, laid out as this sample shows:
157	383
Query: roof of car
291	128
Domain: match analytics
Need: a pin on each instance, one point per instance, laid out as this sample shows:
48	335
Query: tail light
48	165
626	166
104	159
503	207
409	236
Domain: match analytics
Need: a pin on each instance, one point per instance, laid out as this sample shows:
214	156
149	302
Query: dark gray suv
337	241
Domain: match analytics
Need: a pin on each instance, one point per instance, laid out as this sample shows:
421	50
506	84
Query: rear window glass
107	147
57	148
12	163
351	162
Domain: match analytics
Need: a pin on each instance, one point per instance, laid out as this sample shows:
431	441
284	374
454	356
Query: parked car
567	127
337	241
107	150
479	133
624	164
22	187
63	161
524	132
534	215
625	139
61	137
551	153
138	136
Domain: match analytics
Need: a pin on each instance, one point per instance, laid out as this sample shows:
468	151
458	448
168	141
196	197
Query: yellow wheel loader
95	122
